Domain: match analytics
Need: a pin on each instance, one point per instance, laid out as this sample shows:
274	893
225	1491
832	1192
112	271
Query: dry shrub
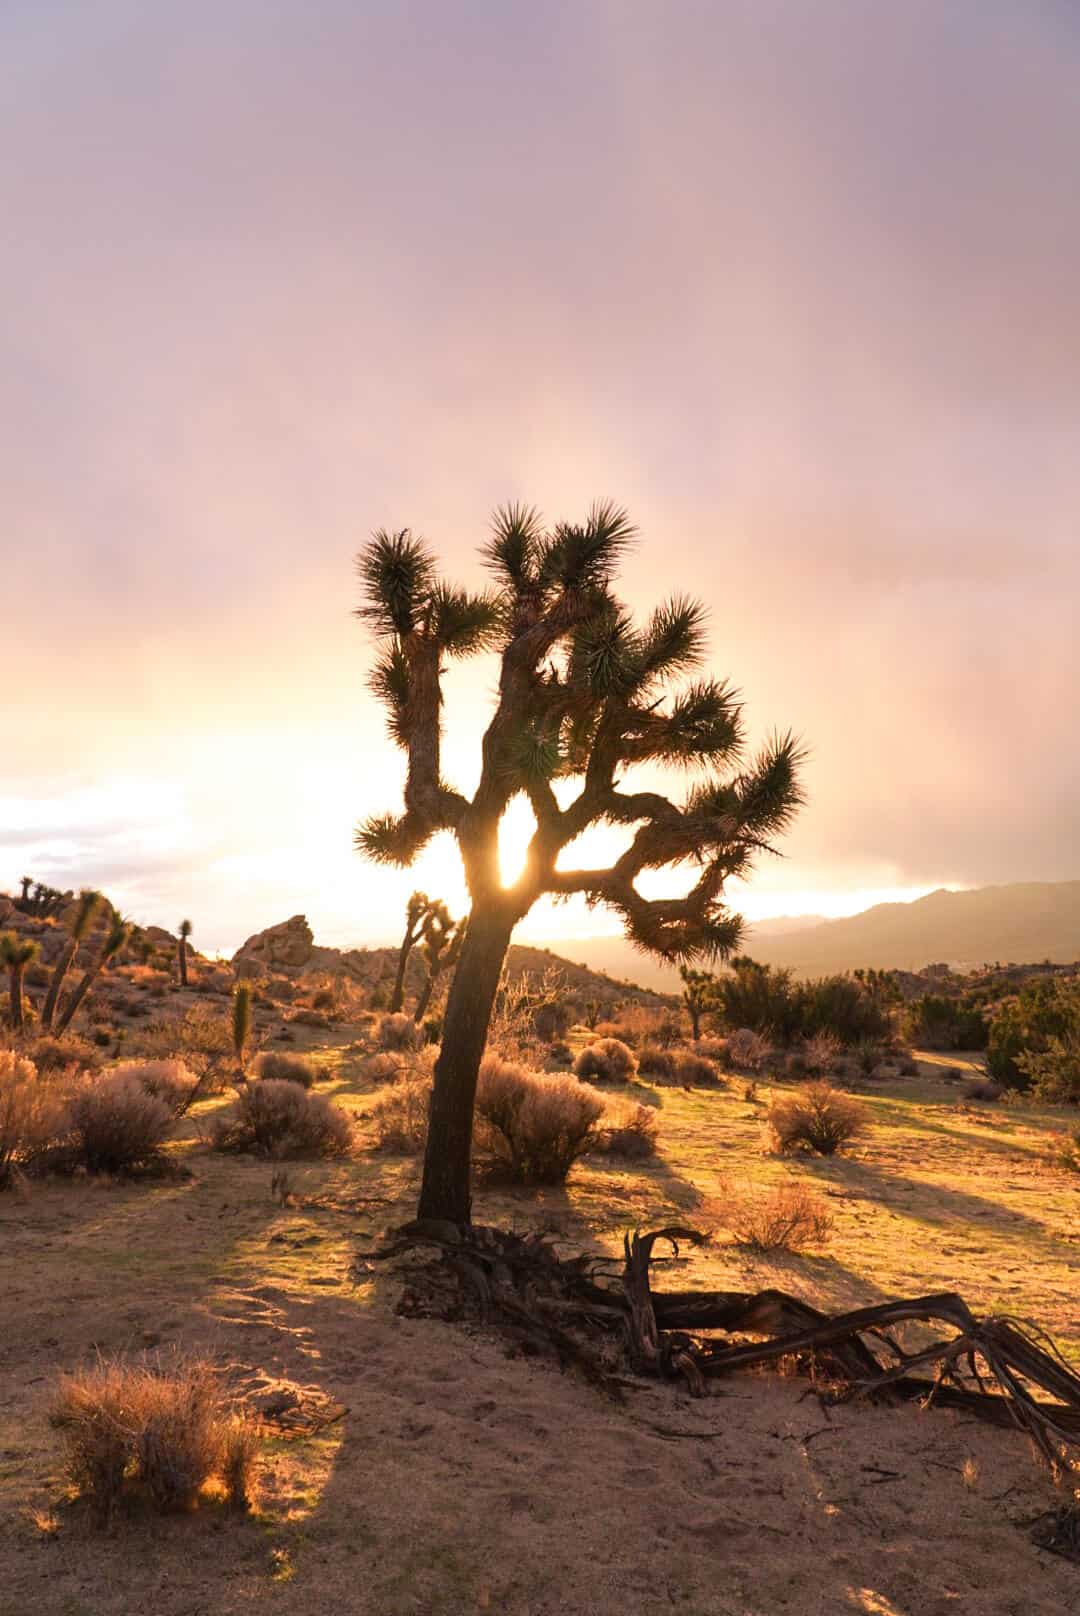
31	1113
784	1218
400	1117
534	1126
202	1040
51	1054
1065	1150
278	1118
749	1050
271	1066
820	1054
383	1067
907	1065
398	1031
818	1118
116	1126
982	1088
168	1080
628	1131
714	1049
560	1053
166	1431
606	1061
693	1070
656	1063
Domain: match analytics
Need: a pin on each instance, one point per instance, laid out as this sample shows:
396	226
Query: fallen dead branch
608	1322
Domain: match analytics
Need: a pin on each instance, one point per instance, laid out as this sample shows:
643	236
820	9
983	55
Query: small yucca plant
241	1021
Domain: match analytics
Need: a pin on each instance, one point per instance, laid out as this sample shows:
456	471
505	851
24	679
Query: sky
796	281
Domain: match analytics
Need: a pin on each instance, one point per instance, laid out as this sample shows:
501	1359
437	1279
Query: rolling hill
1024	923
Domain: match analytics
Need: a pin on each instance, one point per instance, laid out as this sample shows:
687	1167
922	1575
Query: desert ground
411	1465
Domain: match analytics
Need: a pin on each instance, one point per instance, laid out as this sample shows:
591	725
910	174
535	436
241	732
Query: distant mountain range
1023	923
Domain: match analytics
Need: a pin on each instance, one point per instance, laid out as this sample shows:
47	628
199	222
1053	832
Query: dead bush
982	1088
31	1112
51	1054
608	1060
383	1067
715	1049
400	1117
560	1053
167	1080
693	1070
277	1118
115	1126
1065	1150
656	1063
534	1126
820	1054
784	1218
274	1067
398	1031
165	1431
626	1131
818	1118
749	1050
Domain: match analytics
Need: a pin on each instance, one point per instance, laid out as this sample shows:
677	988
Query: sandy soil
459	1479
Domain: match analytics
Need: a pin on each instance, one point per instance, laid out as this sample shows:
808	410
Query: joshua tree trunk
16	991
424	1000
445	1192
67	1015
63	966
182	956
694	1012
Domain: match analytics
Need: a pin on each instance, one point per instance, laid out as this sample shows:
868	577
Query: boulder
279	949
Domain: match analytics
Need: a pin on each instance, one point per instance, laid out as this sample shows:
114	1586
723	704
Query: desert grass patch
818	1118
280	1119
163	1430
783	1217
608	1060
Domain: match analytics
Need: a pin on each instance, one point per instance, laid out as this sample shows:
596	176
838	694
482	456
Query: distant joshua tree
699	995
583	695
115	937
26	882
440	948
16	953
241	1021
181	949
416	912
79	925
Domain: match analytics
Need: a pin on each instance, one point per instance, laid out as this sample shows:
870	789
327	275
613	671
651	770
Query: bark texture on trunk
446	1189
397	997
182	955
67	1015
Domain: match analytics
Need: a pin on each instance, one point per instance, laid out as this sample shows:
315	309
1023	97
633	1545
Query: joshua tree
582	696
115	938
416	912
181	949
241	1021
26	882
79	924
16	954
441	946
699	995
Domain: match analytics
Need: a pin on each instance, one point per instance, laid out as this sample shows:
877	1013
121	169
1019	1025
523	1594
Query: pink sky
797	283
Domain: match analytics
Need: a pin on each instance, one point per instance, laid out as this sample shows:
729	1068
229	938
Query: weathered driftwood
607	1321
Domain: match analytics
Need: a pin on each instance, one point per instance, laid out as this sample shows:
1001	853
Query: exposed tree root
588	1314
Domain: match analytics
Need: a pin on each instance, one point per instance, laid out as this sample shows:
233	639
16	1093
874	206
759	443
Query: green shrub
937	1021
1044	1016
